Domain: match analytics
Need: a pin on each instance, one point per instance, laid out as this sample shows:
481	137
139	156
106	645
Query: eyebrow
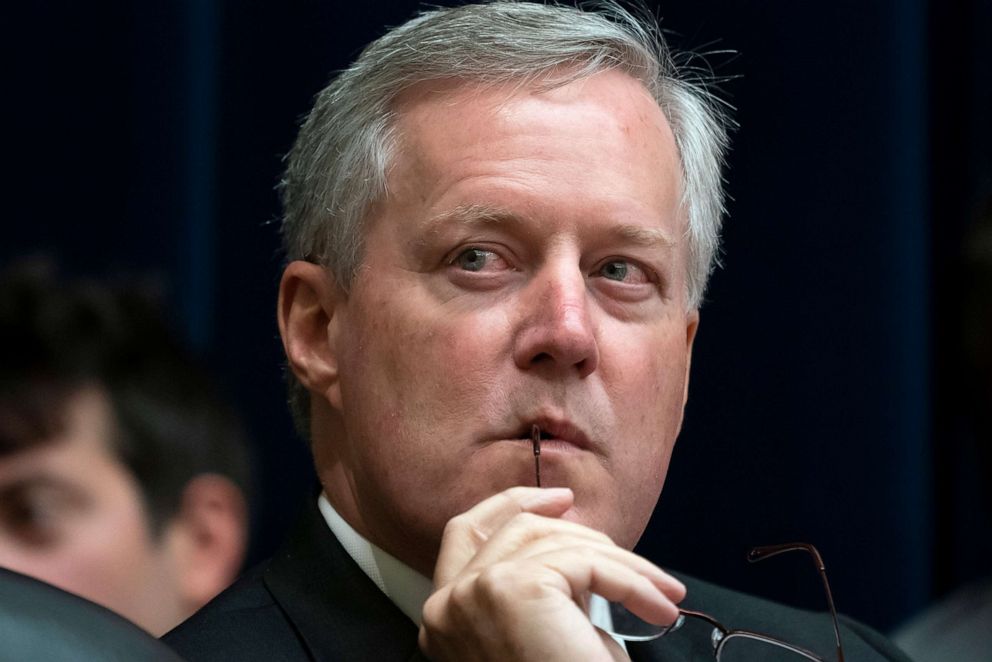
471	216
647	237
486	215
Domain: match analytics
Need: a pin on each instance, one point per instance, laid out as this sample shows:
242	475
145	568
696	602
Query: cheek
421	362
117	544
649	406
648	385
102	555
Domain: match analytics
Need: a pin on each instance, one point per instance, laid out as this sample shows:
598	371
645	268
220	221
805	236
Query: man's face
527	267
72	515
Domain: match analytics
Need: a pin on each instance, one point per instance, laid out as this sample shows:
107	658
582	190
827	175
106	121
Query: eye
474	259
479	259
622	271
33	519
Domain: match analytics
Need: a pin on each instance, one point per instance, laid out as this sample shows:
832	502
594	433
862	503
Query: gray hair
337	167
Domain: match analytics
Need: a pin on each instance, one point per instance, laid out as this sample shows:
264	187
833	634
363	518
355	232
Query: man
500	221
121	473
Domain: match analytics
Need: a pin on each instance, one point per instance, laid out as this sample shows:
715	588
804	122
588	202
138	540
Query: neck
339	491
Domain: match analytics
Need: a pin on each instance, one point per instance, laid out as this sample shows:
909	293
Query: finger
671	587
466	533
582	570
525	529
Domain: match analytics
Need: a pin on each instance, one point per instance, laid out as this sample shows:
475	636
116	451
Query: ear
692	325
207	538
308	298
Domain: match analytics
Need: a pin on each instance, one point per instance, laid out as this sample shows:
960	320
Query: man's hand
512	581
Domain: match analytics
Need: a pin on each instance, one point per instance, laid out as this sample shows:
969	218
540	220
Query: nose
557	332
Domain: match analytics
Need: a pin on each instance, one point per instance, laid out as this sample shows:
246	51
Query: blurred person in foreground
122	474
499	223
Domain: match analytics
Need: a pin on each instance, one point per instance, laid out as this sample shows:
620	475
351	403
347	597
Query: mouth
553	435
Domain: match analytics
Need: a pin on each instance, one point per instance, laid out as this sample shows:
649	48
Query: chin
621	530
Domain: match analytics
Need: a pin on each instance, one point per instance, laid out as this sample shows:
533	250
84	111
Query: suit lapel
338	612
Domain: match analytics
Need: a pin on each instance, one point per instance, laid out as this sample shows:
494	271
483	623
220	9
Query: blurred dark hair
58	337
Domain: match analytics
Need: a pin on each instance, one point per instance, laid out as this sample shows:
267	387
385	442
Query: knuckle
527	520
461	594
462	527
455	524
459	527
432	615
496	583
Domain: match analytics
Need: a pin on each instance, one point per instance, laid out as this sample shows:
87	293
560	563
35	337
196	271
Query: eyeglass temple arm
768	551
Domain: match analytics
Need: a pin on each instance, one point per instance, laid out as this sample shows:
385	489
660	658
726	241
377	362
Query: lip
557	434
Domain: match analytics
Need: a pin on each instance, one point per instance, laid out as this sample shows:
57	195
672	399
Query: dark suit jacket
312	602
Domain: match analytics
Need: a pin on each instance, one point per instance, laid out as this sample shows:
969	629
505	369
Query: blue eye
627	272
473	259
615	270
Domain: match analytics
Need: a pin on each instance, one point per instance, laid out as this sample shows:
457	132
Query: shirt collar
406	587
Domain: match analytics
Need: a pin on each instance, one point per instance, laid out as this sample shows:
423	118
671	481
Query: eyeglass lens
742	648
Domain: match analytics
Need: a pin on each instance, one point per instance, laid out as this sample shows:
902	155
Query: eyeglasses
730	645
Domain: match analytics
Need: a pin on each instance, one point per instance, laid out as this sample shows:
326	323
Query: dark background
832	399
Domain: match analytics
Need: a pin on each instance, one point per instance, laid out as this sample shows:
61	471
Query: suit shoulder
806	628
876	640
244	622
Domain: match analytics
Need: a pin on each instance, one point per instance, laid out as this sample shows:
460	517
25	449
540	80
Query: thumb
615	650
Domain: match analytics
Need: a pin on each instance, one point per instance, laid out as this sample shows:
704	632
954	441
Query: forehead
609	104
83	441
600	144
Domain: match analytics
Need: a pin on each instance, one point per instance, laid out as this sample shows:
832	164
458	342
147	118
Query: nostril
549	347
542	358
